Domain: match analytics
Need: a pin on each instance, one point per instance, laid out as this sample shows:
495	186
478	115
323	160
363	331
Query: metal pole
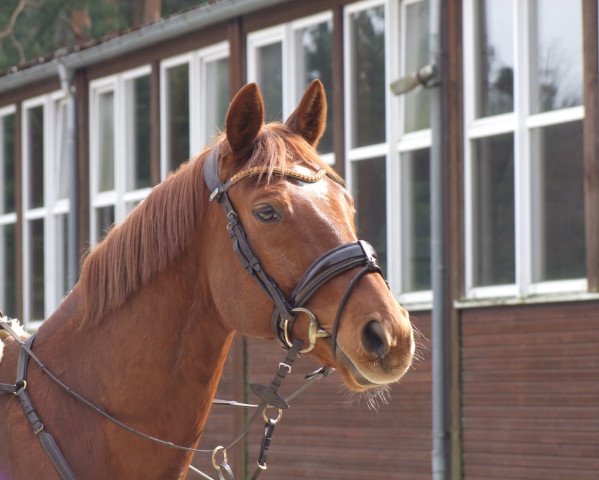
66	79
440	470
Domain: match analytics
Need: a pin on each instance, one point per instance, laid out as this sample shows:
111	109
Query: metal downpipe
439	321
66	82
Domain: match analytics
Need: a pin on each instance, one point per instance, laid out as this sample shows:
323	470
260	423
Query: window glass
558	202
494	62
493	210
35	123
367	50
416	219
36	270
417	112
106	141
8	269
7	163
556	69
139	138
177	115
315	61
217	98
269	76
104	221
370	193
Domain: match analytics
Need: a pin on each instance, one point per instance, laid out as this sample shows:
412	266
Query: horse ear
244	118
310	117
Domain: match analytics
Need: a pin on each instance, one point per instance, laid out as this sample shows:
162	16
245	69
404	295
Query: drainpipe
66	82
440	318
429	76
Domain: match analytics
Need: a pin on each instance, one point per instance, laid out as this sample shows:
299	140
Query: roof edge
159	31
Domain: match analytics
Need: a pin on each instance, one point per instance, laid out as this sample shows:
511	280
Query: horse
145	331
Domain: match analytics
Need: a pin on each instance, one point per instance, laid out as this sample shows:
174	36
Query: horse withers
146	330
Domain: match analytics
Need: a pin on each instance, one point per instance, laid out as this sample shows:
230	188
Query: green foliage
45	26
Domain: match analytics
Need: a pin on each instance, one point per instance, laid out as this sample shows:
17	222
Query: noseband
333	263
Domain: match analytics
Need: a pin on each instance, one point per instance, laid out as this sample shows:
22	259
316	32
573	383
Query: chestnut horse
146	330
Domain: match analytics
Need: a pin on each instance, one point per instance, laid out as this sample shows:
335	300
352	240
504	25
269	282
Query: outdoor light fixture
422	76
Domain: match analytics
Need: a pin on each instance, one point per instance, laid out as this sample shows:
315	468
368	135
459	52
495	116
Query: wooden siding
331	434
531	392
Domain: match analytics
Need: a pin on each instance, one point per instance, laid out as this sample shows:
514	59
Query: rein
269	398
333	263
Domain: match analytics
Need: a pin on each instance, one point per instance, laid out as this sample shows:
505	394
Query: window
366	121
8	216
195	97
45	206
119	147
283	60
524	166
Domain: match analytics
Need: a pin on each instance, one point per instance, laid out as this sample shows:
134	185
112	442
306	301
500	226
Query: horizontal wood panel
331	434
530	392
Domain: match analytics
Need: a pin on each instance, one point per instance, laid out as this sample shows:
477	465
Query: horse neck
163	349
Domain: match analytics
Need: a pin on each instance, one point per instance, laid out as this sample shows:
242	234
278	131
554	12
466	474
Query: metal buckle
21	387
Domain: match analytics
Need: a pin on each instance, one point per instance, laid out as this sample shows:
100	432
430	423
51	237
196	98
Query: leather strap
20	390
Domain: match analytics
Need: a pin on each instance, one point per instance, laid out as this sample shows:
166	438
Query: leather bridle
333	263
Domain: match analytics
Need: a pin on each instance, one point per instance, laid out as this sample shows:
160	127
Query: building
520	148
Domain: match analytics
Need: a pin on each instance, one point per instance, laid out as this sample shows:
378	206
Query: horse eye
266	213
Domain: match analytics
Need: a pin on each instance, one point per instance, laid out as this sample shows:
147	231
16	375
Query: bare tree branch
18	46
8	31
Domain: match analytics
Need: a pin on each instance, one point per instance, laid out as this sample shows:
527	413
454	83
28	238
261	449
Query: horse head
293	210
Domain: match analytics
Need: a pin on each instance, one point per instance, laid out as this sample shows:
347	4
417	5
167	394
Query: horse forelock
158	230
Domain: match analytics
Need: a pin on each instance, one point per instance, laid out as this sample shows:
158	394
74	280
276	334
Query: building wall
530	392
523	388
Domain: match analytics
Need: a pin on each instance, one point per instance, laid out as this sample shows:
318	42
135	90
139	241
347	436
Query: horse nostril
374	339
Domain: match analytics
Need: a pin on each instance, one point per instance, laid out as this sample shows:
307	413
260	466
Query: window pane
177	115
104	221
35	122
494	63
7	163
416	221
139	134
369	191
62	257
417	113
558	202
315	60
8	270
217	98
556	41
36	287
367	52
106	141
269	68
493	210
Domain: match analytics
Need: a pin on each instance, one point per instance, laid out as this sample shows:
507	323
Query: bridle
333	263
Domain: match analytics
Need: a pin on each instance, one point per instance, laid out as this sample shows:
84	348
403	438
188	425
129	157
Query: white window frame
9	218
520	122
52	207
165	66
285	34
396	144
120	197
196	61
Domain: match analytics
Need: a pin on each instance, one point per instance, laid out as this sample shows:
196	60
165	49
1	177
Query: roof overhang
157	32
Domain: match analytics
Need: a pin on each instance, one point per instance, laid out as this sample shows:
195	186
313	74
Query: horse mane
159	229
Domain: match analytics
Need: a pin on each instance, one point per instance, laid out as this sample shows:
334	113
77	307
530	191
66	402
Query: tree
30	29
